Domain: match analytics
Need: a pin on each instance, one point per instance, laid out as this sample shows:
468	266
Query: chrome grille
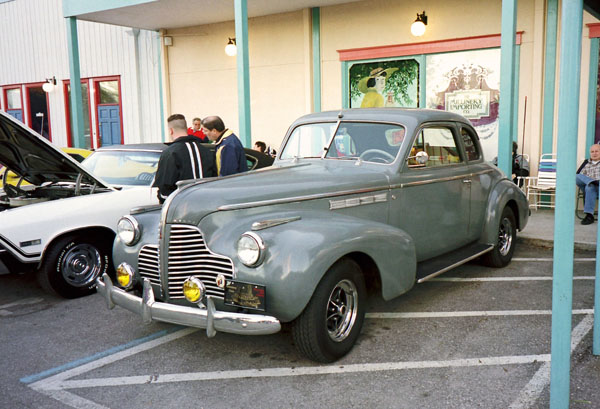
189	256
148	264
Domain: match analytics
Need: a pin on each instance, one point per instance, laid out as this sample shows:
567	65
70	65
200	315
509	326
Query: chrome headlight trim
130	235
199	285
258	253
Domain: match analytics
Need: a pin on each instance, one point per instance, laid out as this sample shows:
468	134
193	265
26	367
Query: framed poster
468	83
384	84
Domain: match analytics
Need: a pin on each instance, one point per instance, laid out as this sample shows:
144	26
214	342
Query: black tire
73	263
504	248
331	322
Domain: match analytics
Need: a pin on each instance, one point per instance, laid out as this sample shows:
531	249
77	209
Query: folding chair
541	189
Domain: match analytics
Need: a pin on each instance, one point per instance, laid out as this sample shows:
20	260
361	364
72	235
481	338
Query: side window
470	145
439	144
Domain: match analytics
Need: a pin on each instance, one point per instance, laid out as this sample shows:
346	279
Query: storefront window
13	98
86	112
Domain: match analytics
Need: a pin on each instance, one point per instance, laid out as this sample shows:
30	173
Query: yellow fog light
125	275
193	290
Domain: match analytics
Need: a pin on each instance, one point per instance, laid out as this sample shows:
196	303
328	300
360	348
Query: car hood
30	155
296	183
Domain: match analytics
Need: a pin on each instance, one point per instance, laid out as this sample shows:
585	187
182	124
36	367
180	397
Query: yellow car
76	153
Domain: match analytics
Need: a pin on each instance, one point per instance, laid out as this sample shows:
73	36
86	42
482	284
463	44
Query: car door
431	202
481	179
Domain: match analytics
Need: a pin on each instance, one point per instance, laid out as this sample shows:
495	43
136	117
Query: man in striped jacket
185	158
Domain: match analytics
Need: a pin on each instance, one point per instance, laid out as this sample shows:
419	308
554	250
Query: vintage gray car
357	200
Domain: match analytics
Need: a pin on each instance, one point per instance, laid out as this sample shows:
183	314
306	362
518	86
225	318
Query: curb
549	244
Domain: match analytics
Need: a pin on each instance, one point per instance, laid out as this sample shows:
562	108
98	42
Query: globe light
231	48
418	27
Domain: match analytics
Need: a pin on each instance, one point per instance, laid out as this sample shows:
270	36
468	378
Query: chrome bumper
209	317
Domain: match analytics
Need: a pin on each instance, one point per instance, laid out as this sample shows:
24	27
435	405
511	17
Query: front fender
505	193
300	252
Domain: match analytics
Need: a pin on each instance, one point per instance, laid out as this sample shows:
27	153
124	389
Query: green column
591	129
562	282
549	76
507	75
76	101
316	57
243	71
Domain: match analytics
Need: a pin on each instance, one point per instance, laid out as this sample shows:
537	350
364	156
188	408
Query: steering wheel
145	177
376	155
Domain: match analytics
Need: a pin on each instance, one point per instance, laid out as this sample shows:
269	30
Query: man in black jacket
185	158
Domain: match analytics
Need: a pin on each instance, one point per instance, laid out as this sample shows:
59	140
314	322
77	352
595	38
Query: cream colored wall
203	79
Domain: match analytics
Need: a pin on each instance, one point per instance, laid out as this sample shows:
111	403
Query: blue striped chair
541	189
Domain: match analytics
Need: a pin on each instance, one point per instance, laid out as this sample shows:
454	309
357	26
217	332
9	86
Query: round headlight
250	249
193	289
128	230
125	275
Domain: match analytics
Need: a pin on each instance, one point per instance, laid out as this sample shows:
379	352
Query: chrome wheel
80	265
505	236
342	309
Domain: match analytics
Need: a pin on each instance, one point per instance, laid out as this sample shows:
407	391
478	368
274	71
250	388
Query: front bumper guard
209	317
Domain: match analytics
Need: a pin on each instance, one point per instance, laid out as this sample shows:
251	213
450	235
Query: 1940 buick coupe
357	200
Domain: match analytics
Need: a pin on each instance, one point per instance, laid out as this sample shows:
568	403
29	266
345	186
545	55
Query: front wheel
72	264
504	248
331	322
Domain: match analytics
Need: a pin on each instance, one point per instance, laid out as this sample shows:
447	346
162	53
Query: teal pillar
76	101
591	128
346	84
562	282
243	71
592	84
316	57
549	76
507	75
422	81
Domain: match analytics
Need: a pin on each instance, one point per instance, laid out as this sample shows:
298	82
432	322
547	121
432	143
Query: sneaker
588	219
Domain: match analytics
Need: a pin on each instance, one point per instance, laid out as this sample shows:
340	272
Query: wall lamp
231	48
418	27
49	85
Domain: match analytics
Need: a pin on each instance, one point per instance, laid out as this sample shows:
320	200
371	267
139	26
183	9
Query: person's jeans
589	187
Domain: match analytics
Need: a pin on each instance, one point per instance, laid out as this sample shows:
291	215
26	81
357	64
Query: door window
440	146
109	92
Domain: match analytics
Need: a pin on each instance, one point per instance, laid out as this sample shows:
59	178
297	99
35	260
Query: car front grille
189	256
148	264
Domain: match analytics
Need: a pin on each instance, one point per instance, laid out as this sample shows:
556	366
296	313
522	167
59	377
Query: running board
440	264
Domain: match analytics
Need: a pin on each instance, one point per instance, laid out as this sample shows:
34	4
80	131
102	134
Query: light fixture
231	48
49	85
418	27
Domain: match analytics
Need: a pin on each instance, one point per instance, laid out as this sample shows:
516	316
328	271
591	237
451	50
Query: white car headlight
128	230
250	249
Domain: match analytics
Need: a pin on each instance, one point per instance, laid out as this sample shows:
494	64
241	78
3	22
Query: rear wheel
331	322
72	264
504	248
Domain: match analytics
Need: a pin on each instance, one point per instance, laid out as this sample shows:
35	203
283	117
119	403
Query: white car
62	222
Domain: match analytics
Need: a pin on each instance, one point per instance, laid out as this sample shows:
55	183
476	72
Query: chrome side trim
357	201
246	205
144	209
436	180
265	224
210	318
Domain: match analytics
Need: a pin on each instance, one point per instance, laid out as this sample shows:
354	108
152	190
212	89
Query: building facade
119	75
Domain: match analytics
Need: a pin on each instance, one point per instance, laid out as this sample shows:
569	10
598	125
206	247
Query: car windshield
123	168
369	142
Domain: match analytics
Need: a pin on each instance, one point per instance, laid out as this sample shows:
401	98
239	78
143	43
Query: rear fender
505	193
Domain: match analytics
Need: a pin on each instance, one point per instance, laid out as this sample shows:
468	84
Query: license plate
245	295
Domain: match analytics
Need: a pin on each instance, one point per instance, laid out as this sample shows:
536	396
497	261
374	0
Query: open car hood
28	154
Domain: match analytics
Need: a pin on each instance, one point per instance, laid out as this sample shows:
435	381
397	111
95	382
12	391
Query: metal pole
562	283
76	99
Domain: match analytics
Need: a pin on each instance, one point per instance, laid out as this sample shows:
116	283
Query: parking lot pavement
474	337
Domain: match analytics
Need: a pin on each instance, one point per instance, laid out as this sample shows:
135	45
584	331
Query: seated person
520	165
587	178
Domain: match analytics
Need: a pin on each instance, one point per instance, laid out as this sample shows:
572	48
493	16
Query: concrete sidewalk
540	231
